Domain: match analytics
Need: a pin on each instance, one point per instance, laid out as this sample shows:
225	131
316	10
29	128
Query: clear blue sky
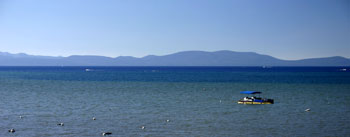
287	29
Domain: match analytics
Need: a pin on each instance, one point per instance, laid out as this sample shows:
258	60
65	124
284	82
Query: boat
253	99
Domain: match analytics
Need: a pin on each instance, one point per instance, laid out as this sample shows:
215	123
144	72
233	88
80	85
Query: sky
286	29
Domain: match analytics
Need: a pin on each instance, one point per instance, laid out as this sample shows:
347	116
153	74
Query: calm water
198	101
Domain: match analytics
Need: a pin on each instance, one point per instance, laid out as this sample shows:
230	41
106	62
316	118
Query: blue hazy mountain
186	58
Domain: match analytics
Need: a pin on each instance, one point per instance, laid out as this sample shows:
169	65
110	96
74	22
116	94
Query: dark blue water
197	101
185	74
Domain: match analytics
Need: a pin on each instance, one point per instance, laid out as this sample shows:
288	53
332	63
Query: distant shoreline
222	58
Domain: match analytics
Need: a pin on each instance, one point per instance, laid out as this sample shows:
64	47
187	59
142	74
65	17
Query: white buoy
307	110
20	117
60	124
167	120
12	130
143	127
93	118
106	133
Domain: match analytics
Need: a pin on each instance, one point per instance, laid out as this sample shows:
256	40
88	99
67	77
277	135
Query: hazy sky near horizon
287	29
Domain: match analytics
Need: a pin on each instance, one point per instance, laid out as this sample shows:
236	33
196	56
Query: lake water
197	101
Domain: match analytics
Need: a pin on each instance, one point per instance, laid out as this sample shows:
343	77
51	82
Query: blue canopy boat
253	99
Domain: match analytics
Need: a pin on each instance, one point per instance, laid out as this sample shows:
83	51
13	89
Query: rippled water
196	101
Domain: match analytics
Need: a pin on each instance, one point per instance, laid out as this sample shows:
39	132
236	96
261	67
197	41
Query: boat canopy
250	92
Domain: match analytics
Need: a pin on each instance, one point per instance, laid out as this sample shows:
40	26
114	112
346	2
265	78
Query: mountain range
185	58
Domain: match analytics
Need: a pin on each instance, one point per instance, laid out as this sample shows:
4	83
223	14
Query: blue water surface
173	101
185	74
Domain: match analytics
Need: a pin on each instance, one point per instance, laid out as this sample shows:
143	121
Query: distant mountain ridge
185	58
